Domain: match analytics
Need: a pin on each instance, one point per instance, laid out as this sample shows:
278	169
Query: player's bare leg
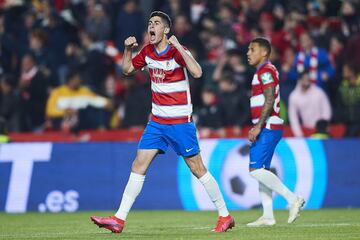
196	165
136	180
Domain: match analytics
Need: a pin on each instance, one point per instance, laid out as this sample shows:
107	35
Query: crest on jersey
158	75
266	78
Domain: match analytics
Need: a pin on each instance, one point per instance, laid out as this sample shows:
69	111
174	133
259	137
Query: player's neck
262	63
161	46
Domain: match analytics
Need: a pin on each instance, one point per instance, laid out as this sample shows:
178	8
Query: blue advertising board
54	177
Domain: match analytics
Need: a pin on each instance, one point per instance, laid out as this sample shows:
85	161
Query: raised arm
128	67
191	64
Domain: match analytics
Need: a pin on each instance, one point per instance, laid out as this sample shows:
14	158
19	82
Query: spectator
93	63
175	7
130	22
307	104
315	59
287	86
33	87
185	34
226	19
137	102
73	106
232	63
98	24
58	35
43	58
321	130
9	104
350	17
349	100
233	104
209	116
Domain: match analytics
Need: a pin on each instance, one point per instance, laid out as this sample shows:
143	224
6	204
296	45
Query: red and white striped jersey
265	76
171	100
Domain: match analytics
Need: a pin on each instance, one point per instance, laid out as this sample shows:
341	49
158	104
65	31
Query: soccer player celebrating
171	123
266	133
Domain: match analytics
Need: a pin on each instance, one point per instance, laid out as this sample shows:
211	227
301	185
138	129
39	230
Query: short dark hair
72	72
163	16
264	43
303	73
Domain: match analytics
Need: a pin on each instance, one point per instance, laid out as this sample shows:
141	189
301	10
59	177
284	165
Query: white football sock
214	193
271	181
132	190
266	200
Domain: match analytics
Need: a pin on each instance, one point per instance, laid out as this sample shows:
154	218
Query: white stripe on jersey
255	80
166	65
257	101
171	111
270	120
274	120
180	86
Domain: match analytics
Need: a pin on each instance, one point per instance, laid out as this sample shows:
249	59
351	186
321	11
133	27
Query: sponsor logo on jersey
266	78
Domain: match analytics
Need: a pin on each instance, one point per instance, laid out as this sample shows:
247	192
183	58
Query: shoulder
320	91
267	73
174	50
59	89
147	49
84	89
294	96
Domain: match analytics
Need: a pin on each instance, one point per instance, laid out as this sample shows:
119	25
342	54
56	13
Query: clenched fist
130	42
173	41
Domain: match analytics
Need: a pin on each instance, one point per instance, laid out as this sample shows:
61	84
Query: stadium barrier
54	177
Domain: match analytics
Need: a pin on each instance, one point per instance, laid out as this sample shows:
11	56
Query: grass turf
321	224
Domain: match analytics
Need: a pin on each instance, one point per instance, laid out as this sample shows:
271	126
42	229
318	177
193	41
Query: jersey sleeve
179	59
268	78
139	60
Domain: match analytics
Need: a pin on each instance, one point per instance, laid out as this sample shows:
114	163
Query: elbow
126	71
197	74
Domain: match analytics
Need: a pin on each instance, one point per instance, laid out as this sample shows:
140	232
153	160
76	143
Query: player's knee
198	170
138	167
254	172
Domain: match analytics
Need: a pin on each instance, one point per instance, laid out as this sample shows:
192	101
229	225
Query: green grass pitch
320	224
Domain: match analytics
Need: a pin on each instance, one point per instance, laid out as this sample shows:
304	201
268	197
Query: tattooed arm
269	94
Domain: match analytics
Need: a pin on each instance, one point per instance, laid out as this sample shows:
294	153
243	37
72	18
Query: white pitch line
327	225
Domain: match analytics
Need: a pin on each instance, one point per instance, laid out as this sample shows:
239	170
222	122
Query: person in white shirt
308	103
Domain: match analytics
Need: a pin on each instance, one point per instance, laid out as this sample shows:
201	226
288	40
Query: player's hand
130	43
173	41
253	133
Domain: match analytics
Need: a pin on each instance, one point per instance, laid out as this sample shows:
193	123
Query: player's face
156	30
255	54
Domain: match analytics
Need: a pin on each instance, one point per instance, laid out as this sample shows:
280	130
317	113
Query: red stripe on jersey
177	120
276	126
166	99
174	75
256	91
256	112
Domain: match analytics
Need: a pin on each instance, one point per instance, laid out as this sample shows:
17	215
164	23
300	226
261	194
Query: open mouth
152	36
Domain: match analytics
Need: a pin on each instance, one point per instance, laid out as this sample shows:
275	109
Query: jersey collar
163	51
263	64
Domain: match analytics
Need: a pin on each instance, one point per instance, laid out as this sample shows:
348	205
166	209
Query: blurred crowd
60	62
